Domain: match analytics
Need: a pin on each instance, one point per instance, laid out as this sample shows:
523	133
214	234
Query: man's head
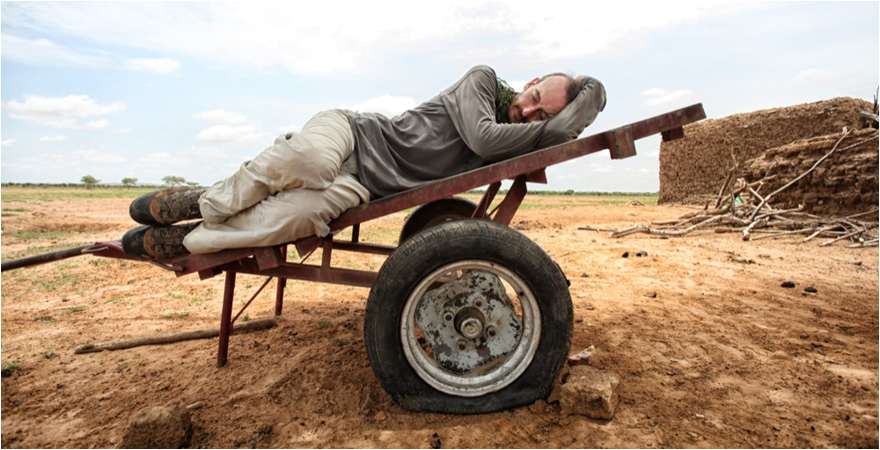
543	98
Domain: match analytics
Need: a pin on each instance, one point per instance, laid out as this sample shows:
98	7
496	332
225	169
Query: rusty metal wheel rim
503	373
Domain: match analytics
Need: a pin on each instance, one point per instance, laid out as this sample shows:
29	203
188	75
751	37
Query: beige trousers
289	191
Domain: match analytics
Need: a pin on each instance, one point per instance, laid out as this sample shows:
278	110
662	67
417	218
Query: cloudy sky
147	89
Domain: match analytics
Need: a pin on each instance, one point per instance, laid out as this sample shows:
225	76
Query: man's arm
576	116
470	104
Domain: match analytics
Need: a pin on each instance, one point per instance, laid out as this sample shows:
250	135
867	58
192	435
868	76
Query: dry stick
644	229
593	229
693	215
748	230
781	211
781	233
861	214
766	178
858	226
818	232
767	175
755	193
251	325
695	219
766	199
871	243
724	185
850	234
801	213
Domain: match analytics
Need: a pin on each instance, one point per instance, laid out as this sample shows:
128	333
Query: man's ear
530	84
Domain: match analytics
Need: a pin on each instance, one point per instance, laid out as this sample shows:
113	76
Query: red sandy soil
710	349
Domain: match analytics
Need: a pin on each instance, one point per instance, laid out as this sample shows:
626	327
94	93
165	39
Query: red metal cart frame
272	261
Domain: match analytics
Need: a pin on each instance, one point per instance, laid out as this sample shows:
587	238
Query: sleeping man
341	159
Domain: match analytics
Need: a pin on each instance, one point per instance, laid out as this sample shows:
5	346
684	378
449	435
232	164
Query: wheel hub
469	323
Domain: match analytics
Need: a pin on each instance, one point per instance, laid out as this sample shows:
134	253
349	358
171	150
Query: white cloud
45	53
207	153
290	128
220	116
8	142
601	168
387	105
813	77
162	159
124	130
62	112
158	66
59	138
97	124
259	34
227	133
658	96
96	156
518	85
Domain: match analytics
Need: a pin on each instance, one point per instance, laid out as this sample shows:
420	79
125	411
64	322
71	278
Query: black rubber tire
435	213
441	245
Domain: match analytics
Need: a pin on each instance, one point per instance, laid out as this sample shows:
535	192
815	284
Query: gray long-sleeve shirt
455	132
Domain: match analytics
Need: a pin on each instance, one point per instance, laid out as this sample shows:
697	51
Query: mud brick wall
844	183
693	168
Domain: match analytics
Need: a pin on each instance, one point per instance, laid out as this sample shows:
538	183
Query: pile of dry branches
740	207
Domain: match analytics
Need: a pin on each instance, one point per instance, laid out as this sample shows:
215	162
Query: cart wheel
468	317
436	212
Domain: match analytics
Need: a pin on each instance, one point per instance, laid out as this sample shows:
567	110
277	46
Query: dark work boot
166	207
157	243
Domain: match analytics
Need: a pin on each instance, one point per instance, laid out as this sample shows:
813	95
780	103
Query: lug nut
462	345
448	316
491	331
470	327
478	302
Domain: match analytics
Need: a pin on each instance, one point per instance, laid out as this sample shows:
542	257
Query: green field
49	193
54	193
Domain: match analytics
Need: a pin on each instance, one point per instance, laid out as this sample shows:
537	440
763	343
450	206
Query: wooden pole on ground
251	325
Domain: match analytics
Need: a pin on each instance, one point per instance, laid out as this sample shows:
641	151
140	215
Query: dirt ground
711	350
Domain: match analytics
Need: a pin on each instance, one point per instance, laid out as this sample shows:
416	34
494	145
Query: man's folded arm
471	106
576	116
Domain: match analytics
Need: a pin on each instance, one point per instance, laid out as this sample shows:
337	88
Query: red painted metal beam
226	319
515	195
307	272
363	247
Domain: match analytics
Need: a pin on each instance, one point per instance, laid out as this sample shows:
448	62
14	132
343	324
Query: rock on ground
590	392
158	427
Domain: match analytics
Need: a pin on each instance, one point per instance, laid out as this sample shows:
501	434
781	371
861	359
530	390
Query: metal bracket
620	143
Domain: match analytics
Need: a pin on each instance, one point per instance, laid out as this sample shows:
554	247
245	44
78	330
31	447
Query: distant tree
129	182
172	180
193	184
89	181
